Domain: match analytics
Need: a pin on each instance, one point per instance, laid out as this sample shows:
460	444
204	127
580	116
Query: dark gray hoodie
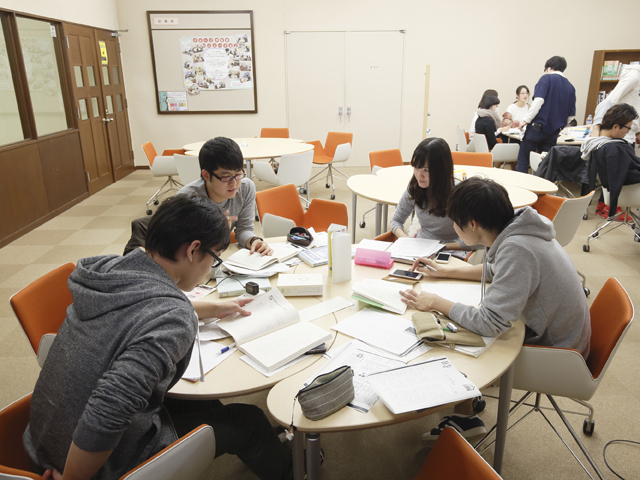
126	340
532	279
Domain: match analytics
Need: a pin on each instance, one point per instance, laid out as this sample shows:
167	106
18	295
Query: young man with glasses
224	182
99	407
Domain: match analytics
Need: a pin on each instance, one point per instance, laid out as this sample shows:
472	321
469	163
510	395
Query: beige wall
96	13
469	48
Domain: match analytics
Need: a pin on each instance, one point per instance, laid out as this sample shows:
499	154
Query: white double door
346	82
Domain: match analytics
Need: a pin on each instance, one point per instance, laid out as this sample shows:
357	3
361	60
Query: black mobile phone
406	274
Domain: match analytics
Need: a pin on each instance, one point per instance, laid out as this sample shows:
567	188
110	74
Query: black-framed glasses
624	126
238	177
217	261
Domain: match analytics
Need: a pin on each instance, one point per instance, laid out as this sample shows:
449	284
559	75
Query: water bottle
590	120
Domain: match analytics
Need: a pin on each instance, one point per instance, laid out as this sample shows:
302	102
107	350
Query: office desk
259	148
562	139
386	189
494	363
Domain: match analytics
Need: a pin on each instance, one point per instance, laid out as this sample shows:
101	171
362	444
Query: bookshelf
596	84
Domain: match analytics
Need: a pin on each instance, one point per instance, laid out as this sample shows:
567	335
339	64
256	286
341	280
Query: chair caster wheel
333	197
596	234
156	202
587	292
588	426
303	191
149	212
362	224
479	404
327	185
585	216
257	218
586	248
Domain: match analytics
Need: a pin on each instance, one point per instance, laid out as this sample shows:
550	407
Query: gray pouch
327	394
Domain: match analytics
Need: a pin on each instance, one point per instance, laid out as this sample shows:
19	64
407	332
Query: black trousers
239	429
534	140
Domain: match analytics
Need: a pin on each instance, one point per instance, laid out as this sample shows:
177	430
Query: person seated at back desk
489	122
532	278
99	407
615	158
223	182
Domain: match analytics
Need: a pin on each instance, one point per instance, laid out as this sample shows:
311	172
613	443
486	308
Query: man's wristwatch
253	239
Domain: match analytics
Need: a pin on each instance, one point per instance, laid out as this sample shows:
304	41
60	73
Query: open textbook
273	334
254	261
381	294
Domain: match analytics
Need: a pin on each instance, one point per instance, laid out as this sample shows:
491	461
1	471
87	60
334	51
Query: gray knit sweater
126	340
532	278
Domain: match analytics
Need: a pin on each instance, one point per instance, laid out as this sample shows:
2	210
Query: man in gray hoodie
98	408
532	278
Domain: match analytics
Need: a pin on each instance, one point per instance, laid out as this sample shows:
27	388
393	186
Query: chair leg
174	186
313	179
341	173
626	213
333	187
575	437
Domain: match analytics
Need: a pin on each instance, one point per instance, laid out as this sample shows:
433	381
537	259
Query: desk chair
566	215
461	146
295	169
41	307
188	168
472	158
274	133
337	148
478	144
452	458
284	202
629	201
162	166
505	153
187	457
534	160
564	372
381	159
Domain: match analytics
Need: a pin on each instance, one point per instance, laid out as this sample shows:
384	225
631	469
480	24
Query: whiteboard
204	62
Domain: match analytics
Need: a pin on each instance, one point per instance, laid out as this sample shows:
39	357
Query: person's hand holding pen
428	267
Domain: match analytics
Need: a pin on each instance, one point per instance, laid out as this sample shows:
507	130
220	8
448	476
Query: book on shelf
273	334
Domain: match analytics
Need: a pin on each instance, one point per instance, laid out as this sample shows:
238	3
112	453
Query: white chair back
343	152
462	139
534	161
295	168
188	168
264	171
505	152
568	218
275	226
629	196
478	144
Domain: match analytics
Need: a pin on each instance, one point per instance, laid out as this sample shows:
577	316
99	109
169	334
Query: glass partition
11	126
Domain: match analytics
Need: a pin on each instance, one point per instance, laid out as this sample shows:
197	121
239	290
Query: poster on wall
173	102
217	63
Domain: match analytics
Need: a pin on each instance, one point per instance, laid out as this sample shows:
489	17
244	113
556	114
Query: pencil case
373	258
431	329
300	236
327	393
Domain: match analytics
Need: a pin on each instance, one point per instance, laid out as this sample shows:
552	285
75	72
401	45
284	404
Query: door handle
349	112
106	120
340	111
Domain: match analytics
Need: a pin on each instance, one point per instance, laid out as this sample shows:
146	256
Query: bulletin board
203	61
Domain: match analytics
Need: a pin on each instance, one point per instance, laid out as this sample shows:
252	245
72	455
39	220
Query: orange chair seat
322	160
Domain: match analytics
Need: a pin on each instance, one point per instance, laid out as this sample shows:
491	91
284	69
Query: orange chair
386	237
274	133
472	159
452	458
162	166
284	202
381	159
41	307
337	149
187	457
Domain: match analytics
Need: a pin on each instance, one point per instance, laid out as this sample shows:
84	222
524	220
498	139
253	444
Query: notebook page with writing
423	385
252	261
385	293
277	348
382	330
269	312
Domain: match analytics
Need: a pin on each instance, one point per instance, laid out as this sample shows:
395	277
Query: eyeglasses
217	261
238	177
624	126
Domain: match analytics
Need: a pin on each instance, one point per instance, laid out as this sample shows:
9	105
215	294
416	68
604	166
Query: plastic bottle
590	120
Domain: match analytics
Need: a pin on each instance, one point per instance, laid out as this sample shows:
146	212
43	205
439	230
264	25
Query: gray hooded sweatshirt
532	278
126	340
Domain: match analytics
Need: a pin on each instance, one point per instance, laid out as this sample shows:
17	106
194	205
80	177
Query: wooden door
315	84
89	107
115	102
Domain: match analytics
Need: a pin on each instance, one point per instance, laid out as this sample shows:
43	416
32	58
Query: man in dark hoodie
98	408
532	278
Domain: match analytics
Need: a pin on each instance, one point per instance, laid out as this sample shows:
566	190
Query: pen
226	349
422	264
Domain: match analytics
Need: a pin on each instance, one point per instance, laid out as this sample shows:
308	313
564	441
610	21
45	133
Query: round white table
259	148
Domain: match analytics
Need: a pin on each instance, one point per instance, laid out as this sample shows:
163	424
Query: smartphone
443	258
406	274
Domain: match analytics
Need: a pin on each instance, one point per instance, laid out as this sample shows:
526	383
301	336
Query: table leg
248	161
385	213
313	456
354	218
378	218
298	456
504	402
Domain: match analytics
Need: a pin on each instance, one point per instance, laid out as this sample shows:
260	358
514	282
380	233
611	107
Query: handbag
327	393
432	329
300	236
